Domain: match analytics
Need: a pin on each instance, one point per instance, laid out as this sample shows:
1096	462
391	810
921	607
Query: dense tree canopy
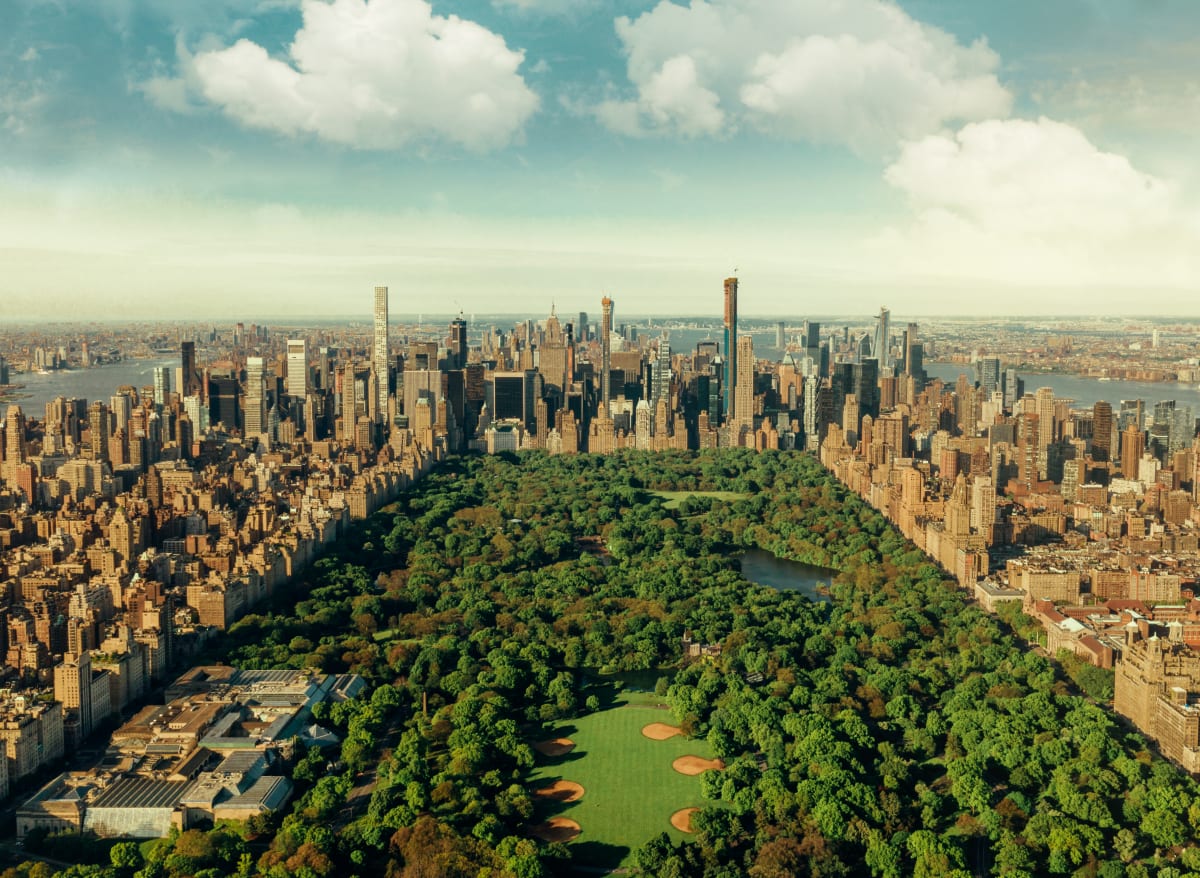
896	731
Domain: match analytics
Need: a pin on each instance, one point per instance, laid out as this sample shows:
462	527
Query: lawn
630	789
674	498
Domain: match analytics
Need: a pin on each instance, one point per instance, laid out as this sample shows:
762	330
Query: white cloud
675	98
857	72
30	54
1036	202
375	74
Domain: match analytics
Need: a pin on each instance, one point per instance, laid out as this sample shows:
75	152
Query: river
763	568
1086	391
100	383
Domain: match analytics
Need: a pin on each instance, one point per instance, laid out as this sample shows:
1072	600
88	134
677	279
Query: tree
126	856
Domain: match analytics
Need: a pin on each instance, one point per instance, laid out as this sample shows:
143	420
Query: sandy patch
561	791
557	829
661	731
555	747
696	765
682	820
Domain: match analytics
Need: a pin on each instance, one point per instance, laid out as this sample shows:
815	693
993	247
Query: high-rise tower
606	315
744	385
297	368
458	343
14	436
883	339
379	361
1102	430
255	418
189	383
98	430
1133	446
730	376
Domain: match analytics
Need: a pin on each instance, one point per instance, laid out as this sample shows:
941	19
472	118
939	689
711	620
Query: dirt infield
557	829
682	820
561	791
661	731
696	765
555	747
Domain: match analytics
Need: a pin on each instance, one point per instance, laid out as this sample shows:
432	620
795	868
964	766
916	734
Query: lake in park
763	568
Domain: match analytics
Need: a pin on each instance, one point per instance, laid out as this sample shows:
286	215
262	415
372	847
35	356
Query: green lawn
674	498
631	791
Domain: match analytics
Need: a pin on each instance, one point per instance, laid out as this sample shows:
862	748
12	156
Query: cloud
1036	201
855	72
672	98
374	74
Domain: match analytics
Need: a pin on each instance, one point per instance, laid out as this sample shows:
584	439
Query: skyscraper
987	374
730	377
1102	430
98	430
189	383
162	384
349	402
911	340
811	336
1044	397
458	343
883	339
606	316
379	362
1014	388
1133	445
743	405
223	402
256	394
14	436
297	368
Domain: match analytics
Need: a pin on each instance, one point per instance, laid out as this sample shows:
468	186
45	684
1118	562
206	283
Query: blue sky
234	159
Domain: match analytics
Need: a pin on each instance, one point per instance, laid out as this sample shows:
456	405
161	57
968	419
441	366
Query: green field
674	498
631	791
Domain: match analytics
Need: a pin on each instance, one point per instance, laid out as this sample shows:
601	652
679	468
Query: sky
233	159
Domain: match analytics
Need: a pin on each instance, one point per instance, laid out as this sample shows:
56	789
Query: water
100	383
1086	391
763	568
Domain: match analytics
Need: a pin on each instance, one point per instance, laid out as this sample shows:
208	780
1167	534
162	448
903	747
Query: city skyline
167	161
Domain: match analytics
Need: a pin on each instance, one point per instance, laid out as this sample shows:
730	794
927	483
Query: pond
763	568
